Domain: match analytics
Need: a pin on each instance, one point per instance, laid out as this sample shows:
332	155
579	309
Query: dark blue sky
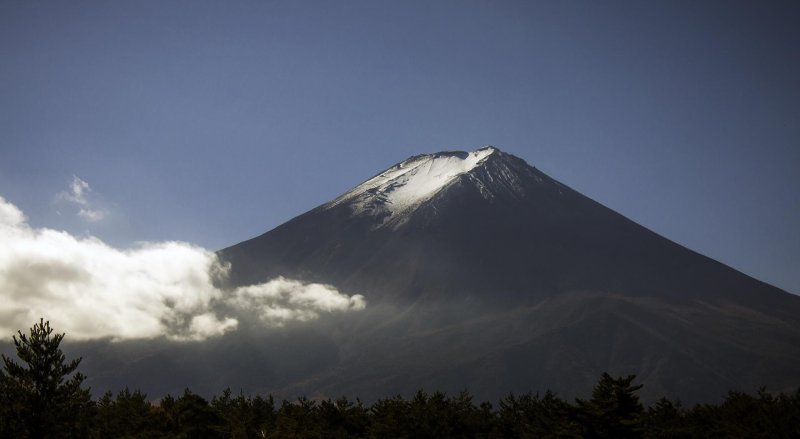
212	122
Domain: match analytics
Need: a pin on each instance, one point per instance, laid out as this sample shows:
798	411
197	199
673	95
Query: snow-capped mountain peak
411	182
474	262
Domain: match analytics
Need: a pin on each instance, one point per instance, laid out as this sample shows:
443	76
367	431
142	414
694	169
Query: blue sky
213	122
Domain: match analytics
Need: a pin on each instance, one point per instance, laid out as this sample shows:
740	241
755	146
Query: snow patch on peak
411	182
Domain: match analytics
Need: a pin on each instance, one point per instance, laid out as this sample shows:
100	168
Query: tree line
42	396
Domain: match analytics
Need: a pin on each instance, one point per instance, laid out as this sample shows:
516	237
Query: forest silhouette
42	395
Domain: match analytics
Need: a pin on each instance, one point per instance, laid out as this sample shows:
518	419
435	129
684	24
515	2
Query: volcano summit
482	272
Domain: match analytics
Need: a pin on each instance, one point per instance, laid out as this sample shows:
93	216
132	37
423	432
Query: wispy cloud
282	300
92	290
92	216
78	193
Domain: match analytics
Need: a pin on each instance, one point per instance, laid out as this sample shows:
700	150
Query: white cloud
282	299
77	194
77	191
92	215
91	290
10	215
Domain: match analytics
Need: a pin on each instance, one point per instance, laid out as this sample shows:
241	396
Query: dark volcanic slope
525	284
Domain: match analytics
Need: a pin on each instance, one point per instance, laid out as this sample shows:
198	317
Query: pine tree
614	410
44	400
129	415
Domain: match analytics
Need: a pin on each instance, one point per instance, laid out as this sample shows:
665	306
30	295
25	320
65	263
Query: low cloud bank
91	290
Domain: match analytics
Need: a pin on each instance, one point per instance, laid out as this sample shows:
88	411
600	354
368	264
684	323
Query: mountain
482	272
